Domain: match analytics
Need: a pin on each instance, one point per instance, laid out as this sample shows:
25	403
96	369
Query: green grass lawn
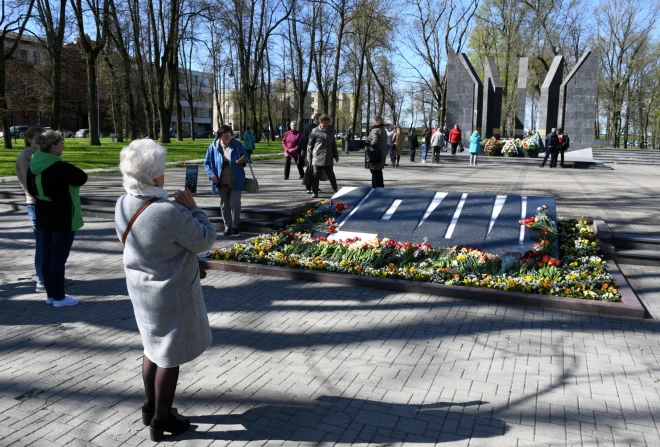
84	156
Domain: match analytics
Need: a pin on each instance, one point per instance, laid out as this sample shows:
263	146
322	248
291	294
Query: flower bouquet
492	146
530	147
510	149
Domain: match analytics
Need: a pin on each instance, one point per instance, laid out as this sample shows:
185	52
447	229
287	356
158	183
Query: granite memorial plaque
491	115
549	107
464	96
521	97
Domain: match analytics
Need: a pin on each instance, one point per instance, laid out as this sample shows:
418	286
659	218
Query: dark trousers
552	153
287	167
377	178
56	247
412	154
318	171
436	154
454	146
561	157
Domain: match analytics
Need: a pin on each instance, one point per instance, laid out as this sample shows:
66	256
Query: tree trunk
3	97
92	102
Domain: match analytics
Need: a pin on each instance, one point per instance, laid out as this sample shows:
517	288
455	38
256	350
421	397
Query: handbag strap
135	216
251	171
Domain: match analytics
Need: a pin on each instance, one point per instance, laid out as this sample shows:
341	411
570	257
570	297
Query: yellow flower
262	254
529	278
460	257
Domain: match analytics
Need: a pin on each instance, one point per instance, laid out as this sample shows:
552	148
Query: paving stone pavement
298	363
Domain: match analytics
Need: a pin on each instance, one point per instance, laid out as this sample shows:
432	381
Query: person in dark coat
302	160
413	143
321	151
551	149
377	141
564	144
56	186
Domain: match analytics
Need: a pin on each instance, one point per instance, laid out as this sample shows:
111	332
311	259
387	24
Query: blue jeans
56	247
39	252
425	150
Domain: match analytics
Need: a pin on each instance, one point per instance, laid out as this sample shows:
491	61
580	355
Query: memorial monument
577	112
549	107
491	117
464	95
521	97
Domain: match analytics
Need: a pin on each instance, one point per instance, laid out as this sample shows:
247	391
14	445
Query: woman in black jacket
413	143
56	186
377	150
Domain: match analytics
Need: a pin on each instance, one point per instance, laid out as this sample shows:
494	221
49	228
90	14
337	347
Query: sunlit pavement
303	363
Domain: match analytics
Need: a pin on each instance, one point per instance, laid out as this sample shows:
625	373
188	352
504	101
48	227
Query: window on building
195	79
38	123
25	89
37	59
26	119
24	55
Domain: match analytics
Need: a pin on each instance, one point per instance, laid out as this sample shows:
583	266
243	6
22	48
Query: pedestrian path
298	363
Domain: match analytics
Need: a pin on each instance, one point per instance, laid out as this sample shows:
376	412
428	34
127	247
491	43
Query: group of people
314	152
556	143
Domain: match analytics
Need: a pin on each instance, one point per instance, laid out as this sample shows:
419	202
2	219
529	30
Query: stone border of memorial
343	262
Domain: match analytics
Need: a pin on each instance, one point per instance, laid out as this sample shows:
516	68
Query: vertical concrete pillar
550	96
464	95
577	112
521	97
491	117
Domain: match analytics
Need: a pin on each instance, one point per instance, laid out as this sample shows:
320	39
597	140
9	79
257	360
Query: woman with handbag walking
455	138
376	152
291	145
224	163
161	241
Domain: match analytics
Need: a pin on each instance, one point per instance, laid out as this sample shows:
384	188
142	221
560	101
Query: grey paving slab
298	363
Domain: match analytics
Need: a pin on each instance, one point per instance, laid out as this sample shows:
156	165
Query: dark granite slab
505	234
353	198
435	226
473	222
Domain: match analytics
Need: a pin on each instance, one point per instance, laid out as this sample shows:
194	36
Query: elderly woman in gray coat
377	145
322	150
161	241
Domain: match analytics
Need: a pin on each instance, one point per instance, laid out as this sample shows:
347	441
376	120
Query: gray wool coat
377	141
322	146
162	276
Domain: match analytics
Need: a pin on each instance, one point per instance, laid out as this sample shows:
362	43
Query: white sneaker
40	288
67	301
49	300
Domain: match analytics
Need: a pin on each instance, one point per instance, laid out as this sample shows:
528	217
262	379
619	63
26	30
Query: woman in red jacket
454	138
291	145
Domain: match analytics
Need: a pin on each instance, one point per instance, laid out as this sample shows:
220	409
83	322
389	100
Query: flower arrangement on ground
579	272
529	144
510	148
491	146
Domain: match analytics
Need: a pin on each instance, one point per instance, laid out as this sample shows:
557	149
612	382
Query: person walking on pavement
347	140
291	145
446	132
304	158
551	148
475	147
397	146
56	186
322	150
437	141
564	144
389	133
426	142
224	164
455	138
377	142
413	143
248	141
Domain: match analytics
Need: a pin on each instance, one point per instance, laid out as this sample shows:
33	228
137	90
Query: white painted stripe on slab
454	219
439	197
523	216
499	203
390	211
343	235
357	207
343	191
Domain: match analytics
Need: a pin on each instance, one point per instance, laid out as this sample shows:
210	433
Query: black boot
173	425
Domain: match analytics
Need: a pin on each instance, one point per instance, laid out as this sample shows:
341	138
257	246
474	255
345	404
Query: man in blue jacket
551	148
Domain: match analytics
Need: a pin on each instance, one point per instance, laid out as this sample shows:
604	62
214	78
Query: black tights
159	386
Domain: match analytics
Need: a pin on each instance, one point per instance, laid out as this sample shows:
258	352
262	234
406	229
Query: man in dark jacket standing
377	145
564	144
551	148
302	160
413	143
